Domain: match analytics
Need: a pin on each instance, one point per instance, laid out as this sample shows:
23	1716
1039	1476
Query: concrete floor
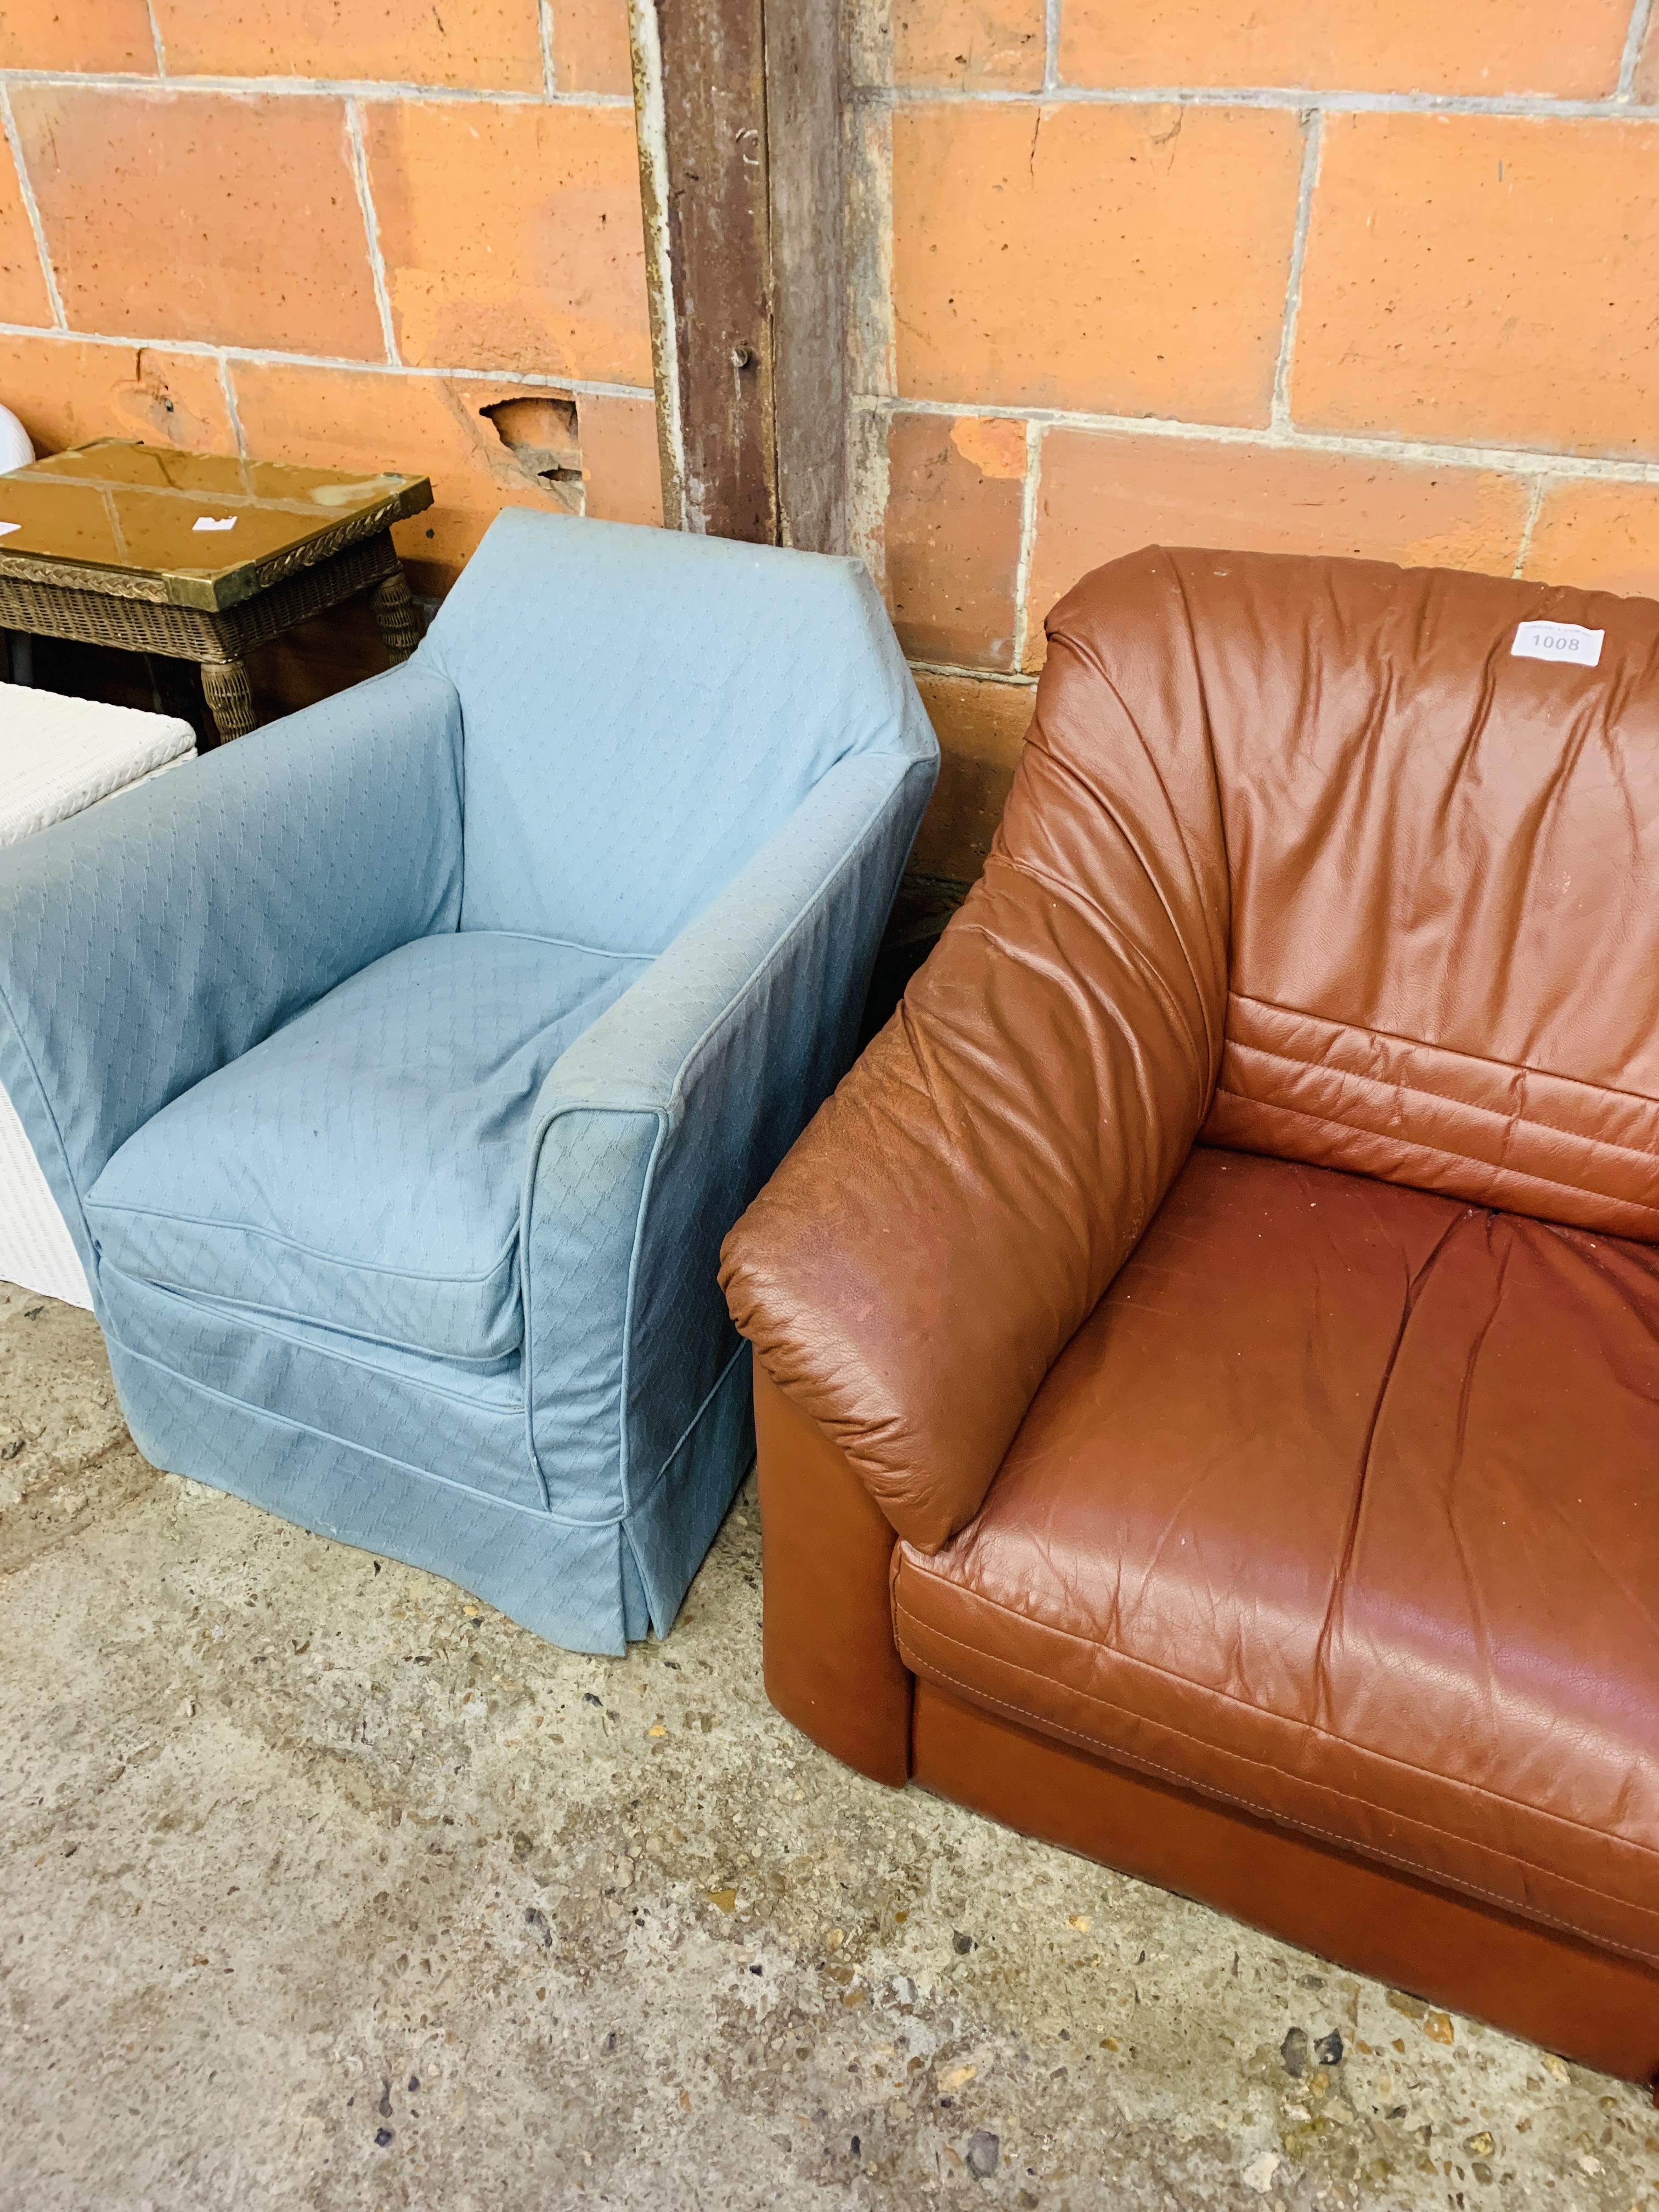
323	1887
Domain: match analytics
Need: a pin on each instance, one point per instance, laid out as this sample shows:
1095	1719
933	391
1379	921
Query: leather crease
1325	1705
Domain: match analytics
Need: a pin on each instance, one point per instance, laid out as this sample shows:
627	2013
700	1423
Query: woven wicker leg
394	610
230	695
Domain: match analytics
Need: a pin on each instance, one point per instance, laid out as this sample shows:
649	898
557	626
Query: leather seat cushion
363	1166
1342	1507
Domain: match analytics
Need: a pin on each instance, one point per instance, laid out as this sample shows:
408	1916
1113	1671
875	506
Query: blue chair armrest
151	939
660	1123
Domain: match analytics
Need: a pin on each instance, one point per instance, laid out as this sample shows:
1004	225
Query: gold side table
200	557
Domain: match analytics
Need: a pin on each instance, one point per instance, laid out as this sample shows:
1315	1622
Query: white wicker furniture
58	756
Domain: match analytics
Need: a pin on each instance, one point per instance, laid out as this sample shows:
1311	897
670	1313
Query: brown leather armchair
1207	1350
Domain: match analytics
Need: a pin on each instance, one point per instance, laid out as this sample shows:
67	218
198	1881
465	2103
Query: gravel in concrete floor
325	1887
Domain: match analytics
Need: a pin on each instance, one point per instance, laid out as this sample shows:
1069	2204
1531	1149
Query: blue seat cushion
361	1167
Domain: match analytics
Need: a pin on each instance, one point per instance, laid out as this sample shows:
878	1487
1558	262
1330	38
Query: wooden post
738	105
805	74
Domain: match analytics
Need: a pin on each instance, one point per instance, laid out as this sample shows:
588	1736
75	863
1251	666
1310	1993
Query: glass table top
206	519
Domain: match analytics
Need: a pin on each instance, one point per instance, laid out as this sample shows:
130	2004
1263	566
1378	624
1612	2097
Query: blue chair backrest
642	710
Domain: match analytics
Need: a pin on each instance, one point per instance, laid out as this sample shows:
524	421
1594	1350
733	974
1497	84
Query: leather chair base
1585	2004
831	1665
833	1669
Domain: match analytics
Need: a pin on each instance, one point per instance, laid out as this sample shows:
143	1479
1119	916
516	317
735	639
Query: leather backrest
1444	861
642	708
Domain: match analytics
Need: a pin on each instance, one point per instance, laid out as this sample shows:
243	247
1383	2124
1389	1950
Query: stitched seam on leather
1451	1052
1289	1819
1441	1152
1395	1084
1307	1728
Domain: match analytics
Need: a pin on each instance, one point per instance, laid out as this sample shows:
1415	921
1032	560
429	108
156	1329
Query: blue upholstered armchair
400	1068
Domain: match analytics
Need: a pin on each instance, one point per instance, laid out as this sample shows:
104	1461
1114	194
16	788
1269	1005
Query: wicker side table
198	556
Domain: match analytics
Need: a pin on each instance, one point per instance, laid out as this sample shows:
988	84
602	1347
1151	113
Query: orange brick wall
1370	276
1360	276
329	231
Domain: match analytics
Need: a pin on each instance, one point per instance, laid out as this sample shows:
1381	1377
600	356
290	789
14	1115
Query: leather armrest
956	1211
831	1664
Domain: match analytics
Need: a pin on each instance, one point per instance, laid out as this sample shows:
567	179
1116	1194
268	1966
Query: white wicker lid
58	755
